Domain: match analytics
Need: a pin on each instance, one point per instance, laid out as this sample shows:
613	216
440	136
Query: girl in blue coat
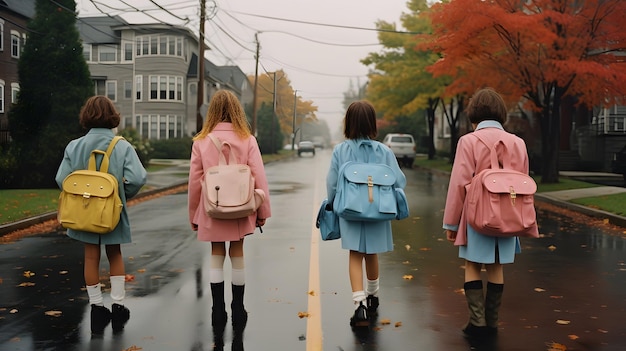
364	240
99	116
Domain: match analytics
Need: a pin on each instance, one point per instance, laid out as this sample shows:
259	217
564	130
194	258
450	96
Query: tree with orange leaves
540	51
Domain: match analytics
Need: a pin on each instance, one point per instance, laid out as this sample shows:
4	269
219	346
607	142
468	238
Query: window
15	89
138	87
159	45
99	87
107	53
128	51
1	34
154	41
1	96
166	88
111	89
15	44
87	52
128	89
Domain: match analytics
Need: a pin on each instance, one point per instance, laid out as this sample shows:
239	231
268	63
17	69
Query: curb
592	212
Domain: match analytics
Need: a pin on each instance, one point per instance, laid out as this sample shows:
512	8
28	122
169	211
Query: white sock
118	291
238	273
216	268
372	287
358	296
95	295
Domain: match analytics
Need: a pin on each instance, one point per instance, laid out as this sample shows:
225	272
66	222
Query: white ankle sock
95	295
118	291
358	296
372	287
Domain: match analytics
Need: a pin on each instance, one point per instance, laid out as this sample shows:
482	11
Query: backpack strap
232	155
355	146
506	162
104	166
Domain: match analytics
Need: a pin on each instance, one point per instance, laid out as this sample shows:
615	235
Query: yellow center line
314	320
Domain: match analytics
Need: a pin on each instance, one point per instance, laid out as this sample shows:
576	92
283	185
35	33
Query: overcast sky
319	59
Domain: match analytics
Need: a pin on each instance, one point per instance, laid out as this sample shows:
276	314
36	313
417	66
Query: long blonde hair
225	107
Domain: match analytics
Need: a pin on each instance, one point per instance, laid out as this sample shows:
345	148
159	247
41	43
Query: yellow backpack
90	199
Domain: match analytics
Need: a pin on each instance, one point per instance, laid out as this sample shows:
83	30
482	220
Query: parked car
306	146
403	147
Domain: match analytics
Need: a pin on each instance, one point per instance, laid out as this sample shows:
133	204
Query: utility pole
293	122
200	101
256	78
273	115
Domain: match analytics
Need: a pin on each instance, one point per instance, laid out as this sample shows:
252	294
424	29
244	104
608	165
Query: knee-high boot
240	315
219	317
476	305
493	300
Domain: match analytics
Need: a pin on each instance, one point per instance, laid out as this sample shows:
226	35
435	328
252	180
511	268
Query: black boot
240	316
476	327
100	318
493	300
219	317
119	316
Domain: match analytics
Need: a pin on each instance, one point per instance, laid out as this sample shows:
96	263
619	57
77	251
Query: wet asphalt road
567	287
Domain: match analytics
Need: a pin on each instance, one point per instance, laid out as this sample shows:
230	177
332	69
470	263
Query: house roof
99	29
25	8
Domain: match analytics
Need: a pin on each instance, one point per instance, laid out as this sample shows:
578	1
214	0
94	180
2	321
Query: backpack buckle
513	195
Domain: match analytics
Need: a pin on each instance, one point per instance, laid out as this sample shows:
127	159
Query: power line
325	24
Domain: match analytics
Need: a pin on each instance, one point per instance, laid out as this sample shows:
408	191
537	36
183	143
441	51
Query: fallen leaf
405	262
63	272
572	337
133	348
141	270
398	324
425	249
312	293
13	311
606	221
28	274
303	315
0	280
540	290
551	247
407	277
562	322
603	331
407	247
385	321
53	313
553	346
26	284
556	297
129	278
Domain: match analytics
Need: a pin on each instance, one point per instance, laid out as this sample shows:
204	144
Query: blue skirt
482	248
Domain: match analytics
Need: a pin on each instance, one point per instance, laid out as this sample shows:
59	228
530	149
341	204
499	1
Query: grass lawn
611	203
18	204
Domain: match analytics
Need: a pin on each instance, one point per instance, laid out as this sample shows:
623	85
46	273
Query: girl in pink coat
487	112
226	121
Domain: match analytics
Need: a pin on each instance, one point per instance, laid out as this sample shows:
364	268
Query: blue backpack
365	190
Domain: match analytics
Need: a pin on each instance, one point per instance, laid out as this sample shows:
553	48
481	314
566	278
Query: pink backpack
228	188
500	201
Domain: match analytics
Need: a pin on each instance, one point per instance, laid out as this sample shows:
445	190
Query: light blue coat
365	237
124	164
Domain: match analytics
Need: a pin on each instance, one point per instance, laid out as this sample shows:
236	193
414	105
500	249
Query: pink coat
204	154
472	156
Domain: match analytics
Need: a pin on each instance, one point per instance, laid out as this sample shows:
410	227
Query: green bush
172	148
8	168
142	146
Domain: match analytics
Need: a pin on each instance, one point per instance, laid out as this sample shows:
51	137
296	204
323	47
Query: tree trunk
550	139
430	117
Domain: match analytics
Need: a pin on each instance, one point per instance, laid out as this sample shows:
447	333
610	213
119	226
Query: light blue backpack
365	189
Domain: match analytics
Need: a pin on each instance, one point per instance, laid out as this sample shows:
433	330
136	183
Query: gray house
150	71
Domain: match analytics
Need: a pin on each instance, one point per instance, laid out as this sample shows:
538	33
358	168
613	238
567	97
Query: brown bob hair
360	121
486	104
99	112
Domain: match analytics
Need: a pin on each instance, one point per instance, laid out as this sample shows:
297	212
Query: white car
403	147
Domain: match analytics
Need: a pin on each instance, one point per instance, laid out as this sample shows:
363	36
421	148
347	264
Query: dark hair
360	121
486	104
99	112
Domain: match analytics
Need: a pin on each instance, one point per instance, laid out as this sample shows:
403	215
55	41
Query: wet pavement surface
567	287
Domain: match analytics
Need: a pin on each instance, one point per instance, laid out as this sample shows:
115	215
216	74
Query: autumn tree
400	85
284	103
539	51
